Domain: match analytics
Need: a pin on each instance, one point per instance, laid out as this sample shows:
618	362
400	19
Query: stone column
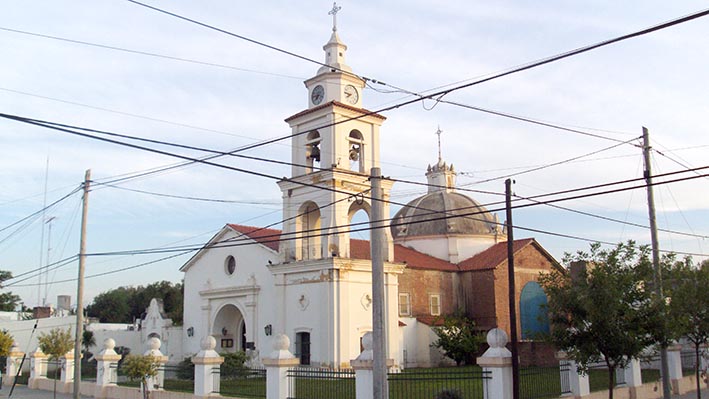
106	368
633	378
496	363
12	366
674	358
578	382
363	366
205	361
157	382
277	365
67	365
38	368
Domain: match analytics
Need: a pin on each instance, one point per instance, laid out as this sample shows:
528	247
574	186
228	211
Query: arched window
230	265
532	311
355	145
309	230
312	150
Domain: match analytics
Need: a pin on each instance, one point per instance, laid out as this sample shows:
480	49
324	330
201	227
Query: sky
217	91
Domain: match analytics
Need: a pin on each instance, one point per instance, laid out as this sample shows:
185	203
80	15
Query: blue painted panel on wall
533	315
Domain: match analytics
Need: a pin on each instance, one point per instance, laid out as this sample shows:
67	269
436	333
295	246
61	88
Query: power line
139	52
437	96
188	197
46	208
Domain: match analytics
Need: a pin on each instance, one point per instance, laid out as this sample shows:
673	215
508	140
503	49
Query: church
312	281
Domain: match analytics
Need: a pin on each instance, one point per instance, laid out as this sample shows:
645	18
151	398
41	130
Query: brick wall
419	284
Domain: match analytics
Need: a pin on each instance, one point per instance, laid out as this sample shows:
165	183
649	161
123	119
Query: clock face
351	94
317	95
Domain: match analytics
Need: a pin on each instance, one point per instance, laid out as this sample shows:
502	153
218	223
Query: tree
56	344
8	300
111	306
605	313
686	287
141	368
6	341
126	304
458	338
88	340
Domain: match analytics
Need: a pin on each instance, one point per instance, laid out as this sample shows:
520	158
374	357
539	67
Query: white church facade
311	280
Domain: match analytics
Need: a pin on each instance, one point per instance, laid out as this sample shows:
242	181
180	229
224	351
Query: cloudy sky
221	92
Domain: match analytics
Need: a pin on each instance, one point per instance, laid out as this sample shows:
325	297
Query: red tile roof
338	104
493	256
430	320
267	237
359	249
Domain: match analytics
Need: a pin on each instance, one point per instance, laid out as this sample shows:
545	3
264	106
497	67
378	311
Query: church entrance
229	329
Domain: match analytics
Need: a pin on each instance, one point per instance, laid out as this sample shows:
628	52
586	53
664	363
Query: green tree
88	340
605	313
458	338
234	364
55	344
6	341
686	287
140	368
8	300
126	304
111	306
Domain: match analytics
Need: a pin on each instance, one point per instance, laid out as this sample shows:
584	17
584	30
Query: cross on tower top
333	12
438	133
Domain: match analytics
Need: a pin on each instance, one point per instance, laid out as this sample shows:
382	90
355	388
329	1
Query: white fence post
205	384
106	368
156	382
38	368
12	365
277	365
363	366
496	363
578	383
67	378
674	358
633	377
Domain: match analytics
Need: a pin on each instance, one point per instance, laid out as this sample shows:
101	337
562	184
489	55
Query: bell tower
334	146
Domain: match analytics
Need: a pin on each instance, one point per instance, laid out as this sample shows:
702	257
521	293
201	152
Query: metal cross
333	12
438	133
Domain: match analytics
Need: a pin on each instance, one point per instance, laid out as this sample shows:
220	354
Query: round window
230	265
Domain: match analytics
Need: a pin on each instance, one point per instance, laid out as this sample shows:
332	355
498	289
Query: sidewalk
693	395
22	392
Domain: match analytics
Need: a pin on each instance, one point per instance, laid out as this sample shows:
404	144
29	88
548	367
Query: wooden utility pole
80	290
657	275
379	344
511	288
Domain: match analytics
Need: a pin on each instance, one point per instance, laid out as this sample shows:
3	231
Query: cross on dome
333	12
438	133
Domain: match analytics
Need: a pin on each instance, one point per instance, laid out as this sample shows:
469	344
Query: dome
424	216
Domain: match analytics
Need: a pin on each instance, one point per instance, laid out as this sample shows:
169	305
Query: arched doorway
229	329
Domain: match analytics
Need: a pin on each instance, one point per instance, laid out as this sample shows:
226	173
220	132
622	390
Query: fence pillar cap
38	354
497	339
15	350
207	344
675	347
281	343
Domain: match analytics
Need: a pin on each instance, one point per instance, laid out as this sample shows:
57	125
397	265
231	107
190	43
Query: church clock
351	94
317	95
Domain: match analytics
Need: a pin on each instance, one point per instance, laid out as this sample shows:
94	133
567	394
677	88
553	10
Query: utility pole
379	344
80	290
511	288
657	275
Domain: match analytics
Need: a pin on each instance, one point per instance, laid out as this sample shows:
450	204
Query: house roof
493	256
267	237
430	320
359	249
337	104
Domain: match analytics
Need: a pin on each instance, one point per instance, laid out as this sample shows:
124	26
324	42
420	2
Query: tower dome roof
424	216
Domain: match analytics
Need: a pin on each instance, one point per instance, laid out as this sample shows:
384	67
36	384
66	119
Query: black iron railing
463	382
316	383
544	382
